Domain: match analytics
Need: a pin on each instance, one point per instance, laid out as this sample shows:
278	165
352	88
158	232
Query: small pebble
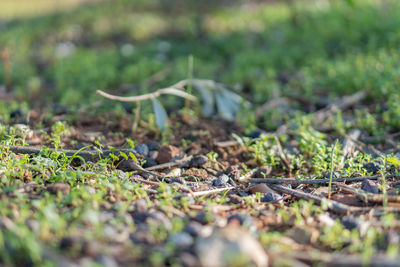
272	197
235	199
369	186
256	133
64	188
181	240
153	154
142	149
178	180
193	228
260	188
233	172
198	161
160	219
140	205
106	261
149	162
350	223
222	180
127	165
335	175
152	145
241	219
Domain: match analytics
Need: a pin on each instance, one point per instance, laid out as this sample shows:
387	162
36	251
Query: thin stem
331	173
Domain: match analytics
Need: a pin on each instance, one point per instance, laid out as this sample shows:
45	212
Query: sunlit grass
10	9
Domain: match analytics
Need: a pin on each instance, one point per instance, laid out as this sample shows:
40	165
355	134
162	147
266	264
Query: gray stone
225	245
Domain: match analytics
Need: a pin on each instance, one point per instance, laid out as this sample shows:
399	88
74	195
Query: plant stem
331	173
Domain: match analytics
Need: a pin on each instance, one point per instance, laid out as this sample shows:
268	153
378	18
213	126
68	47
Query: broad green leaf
160	114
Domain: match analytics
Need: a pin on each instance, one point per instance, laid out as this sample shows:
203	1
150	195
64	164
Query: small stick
314	181
344	103
212	191
169	164
368	197
246	177
333	205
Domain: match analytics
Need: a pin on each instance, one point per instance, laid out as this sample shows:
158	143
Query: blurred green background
62	51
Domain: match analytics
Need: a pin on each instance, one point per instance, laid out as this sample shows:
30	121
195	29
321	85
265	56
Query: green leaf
208	99
160	114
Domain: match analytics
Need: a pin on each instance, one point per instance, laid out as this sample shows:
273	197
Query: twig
372	148
228	143
368	197
314	181
341	104
172	90
246	177
333	205
170	164
212	191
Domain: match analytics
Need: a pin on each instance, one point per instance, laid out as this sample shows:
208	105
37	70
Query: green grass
309	52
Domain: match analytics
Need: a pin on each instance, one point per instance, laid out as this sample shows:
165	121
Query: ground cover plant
289	154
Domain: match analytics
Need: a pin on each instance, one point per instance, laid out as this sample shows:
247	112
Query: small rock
106	261
178	180
193	228
174	172
371	167
303	235
64	188
222	180
198	161
153	154
142	149
186	199
188	260
91	248
219	248
369	186
350	223
181	240
261	188
256	133
69	242
233	172
335	175
235	199
167	153
149	162
160	219
272	197
127	165
242	220
140	205
203	218
142	235
153	145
